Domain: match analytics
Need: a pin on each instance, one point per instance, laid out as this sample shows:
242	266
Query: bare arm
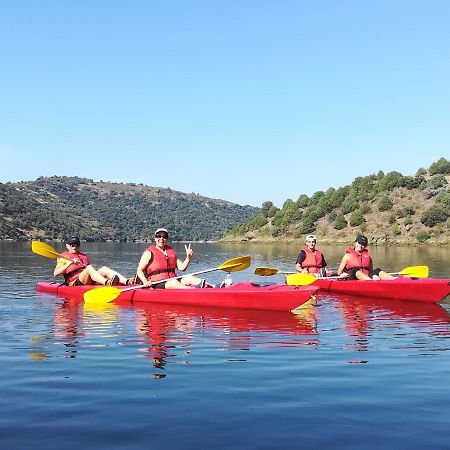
342	265
143	263
298	264
183	265
61	265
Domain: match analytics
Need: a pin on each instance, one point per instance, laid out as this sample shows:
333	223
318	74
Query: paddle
109	293
268	271
43	249
302	278
414	272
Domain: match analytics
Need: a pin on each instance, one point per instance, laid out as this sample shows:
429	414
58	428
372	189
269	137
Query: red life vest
360	259
72	272
162	264
313	261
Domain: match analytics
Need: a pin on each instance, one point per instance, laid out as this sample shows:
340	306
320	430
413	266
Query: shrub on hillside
390	181
396	229
412	182
442	166
357	218
423	236
385	204
350	204
340	223
434	215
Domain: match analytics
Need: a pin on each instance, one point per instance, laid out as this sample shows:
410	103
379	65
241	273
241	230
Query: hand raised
189	251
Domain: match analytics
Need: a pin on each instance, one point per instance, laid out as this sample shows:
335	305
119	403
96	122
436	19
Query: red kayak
246	295
429	290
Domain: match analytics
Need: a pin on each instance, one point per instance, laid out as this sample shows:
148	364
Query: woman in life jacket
357	264
160	261
77	269
311	260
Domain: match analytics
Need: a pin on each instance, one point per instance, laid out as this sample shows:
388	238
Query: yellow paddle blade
266	271
235	264
415	272
300	279
100	295
43	249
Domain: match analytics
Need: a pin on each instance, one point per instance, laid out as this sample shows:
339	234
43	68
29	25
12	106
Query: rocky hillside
388	208
54	207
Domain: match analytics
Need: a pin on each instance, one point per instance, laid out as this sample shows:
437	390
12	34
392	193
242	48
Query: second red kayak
429	290
246	295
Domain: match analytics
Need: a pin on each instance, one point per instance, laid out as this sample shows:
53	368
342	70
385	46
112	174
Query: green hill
388	208
55	207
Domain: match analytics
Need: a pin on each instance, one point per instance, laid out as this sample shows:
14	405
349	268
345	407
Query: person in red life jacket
159	262
77	269
357	264
311	260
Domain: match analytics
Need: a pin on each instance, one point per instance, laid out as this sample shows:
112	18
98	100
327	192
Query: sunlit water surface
346	373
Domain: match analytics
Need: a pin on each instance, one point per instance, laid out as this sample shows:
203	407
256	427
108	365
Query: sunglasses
162	236
72	244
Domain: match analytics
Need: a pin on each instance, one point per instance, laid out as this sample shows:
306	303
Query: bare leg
175	284
361	275
109	273
190	280
386	276
89	276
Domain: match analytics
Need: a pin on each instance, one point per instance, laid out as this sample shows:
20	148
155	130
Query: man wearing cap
357	264
77	270
311	260
160	261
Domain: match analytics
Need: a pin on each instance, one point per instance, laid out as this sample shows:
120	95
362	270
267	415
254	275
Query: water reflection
367	321
172	331
168	334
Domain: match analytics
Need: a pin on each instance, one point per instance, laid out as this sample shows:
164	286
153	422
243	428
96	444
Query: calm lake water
348	373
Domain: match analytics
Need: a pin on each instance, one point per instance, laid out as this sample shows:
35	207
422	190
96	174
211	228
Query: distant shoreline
291	241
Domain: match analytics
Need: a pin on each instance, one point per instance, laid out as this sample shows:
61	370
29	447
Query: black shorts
352	273
76	282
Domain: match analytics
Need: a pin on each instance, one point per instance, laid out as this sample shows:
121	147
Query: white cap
163	230
311	237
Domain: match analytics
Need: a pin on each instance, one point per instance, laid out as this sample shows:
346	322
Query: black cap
73	240
362	240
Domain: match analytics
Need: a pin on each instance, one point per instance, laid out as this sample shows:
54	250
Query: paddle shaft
132	288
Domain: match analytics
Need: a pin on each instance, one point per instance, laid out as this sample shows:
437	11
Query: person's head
161	236
311	240
362	241
73	243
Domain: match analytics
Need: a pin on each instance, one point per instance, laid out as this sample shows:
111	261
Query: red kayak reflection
362	316
178	326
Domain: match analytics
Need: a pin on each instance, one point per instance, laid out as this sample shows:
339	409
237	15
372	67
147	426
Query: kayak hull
428	290
246	295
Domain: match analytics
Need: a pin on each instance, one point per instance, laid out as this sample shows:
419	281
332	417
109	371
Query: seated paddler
77	270
160	262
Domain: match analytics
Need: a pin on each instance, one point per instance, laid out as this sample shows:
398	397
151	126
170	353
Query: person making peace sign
159	262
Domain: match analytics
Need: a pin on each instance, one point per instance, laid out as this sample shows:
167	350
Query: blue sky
246	101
